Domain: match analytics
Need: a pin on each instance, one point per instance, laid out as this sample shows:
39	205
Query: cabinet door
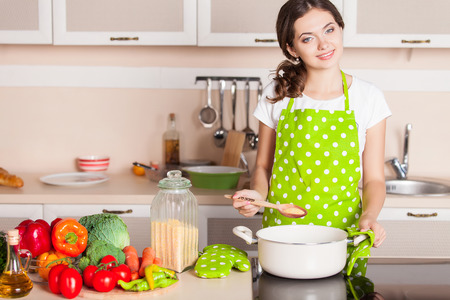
397	23
137	218
25	22
124	22
12	214
414	214
239	23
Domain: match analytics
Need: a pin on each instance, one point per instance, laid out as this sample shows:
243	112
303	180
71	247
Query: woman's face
318	40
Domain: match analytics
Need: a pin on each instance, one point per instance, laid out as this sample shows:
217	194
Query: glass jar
174	223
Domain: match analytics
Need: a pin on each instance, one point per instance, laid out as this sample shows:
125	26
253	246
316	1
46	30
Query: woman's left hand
367	222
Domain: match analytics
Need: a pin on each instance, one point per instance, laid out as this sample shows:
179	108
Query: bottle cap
13	237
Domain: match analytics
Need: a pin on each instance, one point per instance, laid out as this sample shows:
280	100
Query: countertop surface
237	286
131	189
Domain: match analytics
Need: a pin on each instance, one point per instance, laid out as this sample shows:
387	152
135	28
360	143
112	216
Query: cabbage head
106	227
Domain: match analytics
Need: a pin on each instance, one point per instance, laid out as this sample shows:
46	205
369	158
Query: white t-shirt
365	99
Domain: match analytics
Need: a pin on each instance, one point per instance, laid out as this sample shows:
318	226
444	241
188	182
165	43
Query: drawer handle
117	212
266	40
124	38
422	215
416	41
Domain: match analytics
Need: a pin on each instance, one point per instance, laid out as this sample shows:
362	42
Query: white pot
299	251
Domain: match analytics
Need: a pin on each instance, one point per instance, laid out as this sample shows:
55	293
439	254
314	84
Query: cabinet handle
266	40
422	215
124	38
416	41
117	212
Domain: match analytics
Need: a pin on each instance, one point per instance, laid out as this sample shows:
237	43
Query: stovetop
390	279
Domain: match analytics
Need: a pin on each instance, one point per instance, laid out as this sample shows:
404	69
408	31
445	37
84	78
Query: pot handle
245	234
357	239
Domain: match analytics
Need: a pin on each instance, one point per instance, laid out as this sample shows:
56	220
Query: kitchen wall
50	112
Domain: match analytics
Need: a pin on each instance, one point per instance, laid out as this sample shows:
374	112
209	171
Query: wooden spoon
288	210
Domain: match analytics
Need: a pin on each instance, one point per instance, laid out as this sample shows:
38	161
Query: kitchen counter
238	286
119	189
131	189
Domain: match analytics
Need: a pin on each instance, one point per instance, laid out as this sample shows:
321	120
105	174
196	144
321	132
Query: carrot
148	255
157	261
131	258
135	275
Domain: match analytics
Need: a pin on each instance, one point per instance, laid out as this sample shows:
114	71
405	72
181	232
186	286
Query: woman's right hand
244	207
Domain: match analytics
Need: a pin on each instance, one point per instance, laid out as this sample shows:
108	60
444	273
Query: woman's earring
297	60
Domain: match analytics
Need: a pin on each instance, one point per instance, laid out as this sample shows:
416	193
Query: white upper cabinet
397	23
124	22
248	23
25	21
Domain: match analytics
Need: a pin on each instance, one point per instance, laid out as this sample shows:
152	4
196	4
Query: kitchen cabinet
216	223
397	23
12	214
124	22
414	233
137	218
25	22
248	23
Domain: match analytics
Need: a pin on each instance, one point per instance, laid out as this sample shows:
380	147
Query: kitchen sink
416	187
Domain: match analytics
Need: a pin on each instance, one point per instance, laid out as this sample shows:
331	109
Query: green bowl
214	177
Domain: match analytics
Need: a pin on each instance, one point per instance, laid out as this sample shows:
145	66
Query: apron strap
344	82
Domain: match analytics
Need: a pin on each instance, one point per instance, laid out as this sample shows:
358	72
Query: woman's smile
326	56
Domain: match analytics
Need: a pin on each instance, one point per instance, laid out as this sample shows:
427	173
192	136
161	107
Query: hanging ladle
208	115
220	135
288	210
233	103
249	133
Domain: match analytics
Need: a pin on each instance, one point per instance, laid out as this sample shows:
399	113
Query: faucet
401	169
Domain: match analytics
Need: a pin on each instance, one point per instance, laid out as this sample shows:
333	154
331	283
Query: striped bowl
93	163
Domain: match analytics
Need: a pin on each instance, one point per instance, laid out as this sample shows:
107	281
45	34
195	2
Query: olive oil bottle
171	144
14	281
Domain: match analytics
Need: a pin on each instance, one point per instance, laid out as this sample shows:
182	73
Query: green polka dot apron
317	166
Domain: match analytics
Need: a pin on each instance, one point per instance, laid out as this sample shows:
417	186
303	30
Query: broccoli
96	251
106	227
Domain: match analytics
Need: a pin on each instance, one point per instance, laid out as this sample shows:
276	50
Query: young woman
320	130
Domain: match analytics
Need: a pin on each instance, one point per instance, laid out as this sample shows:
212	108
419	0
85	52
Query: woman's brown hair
290	77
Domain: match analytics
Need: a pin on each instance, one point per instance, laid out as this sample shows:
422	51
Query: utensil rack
226	78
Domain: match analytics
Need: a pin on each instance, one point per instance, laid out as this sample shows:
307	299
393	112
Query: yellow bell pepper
47	257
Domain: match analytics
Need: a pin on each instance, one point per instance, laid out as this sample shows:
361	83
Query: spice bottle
14	281
171	143
174	223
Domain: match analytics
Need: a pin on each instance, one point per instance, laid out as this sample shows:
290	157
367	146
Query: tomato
70	283
110	262
88	275
53	278
104	281
122	272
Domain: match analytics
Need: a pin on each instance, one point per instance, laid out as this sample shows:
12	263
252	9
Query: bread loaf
9	179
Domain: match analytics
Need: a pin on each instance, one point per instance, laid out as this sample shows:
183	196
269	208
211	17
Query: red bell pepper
35	236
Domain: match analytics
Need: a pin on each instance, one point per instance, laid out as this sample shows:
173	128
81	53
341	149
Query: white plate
78	178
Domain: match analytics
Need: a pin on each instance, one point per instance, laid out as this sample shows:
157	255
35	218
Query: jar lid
174	181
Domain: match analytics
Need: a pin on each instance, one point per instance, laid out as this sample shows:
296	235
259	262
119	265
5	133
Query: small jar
174	223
